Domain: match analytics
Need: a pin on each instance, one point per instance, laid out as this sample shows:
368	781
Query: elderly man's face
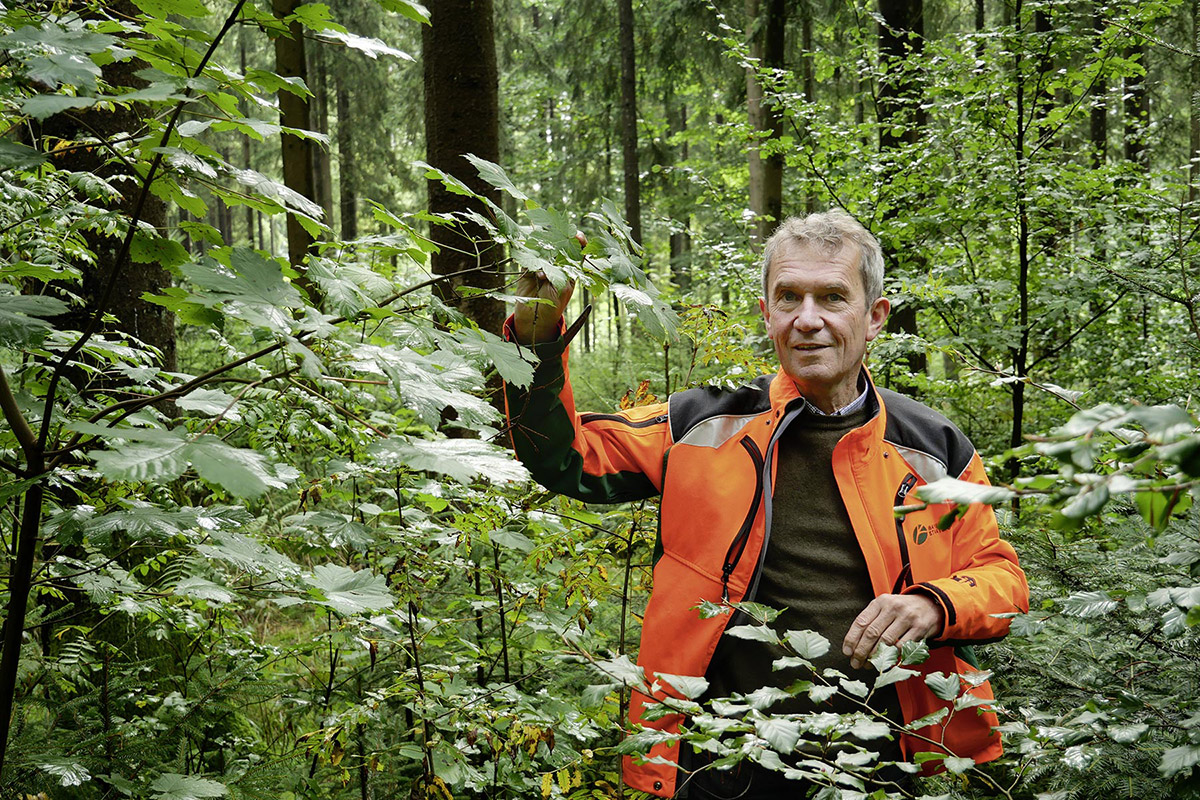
818	317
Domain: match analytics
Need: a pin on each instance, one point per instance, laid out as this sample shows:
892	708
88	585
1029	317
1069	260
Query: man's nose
808	316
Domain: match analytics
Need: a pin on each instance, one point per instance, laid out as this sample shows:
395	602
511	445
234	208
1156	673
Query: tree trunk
293	113
1194	115
765	34
462	115
629	134
901	35
808	78
1137	108
322	168
1099	115
347	165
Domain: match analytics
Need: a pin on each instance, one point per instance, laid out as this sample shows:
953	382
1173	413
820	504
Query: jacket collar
786	398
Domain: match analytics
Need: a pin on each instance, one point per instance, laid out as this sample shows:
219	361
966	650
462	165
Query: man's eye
788	297
834	297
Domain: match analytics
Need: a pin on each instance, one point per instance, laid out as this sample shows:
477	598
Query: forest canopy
263	535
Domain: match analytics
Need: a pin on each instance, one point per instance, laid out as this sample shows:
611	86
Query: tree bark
765	28
1137	108
462	113
322	168
293	113
347	164
1194	115
629	134
901	118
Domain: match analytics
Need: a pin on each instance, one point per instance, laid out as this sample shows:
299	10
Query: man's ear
762	306
876	316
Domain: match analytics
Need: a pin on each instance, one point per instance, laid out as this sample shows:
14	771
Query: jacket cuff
544	351
949	615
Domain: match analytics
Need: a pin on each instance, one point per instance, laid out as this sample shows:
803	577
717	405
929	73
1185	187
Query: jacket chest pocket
712	498
925	549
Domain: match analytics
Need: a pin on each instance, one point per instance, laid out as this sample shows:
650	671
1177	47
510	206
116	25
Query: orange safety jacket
711	454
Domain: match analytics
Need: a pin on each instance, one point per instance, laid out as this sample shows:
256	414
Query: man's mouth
810	346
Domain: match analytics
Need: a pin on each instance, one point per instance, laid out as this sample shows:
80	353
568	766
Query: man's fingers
891	619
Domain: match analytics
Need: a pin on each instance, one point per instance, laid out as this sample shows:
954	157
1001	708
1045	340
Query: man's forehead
802	262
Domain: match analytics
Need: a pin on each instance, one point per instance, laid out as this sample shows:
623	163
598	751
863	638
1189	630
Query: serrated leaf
894	675
463	460
348	591
781	733
945	686
41	106
689	686
1128	733
203	589
241	472
958	765
161	460
807	644
952	490
371	47
756	633
248	554
14	155
20	317
867	729
161	8
766	696
509	360
68	771
210	402
148	248
1088	605
172	786
493	174
1179	759
596	694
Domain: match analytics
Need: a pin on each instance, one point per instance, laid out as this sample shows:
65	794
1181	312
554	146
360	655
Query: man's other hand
539	322
892	619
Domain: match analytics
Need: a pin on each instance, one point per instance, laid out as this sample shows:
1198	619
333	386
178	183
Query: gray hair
829	231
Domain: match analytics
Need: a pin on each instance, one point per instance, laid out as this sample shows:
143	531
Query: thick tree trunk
901	35
462	115
148	322
629	134
293	113
765	29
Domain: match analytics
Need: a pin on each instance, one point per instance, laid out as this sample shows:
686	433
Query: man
782	492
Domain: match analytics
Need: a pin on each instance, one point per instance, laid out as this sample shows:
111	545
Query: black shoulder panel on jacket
916	426
705	402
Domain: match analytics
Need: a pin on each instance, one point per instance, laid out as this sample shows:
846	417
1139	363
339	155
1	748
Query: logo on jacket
922	532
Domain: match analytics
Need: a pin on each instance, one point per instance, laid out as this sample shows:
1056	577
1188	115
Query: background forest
261	535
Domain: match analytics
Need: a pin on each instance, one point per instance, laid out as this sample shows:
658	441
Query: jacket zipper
734	554
646	423
905	576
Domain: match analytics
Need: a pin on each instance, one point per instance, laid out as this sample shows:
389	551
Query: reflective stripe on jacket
711	454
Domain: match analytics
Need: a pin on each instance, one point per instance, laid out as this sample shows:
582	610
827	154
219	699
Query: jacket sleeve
597	458
985	579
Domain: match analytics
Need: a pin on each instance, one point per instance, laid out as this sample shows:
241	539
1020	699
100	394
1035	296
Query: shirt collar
853	406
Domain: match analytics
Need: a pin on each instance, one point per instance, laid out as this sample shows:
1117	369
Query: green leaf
781	733
20	314
867	729
856	688
68	771
952	490
493	174
766	696
41	106
1179	759
1129	733
509	359
1088	604
210	402
757	633
14	155
161	8
241	472
463	460
161	460
172	786
894	675
347	591
944	686
689	686
807	644
368	46
414	11
150	249
1087	503
757	611
203	589
958	765
916	652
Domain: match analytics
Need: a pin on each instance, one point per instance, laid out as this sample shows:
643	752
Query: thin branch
1055	351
